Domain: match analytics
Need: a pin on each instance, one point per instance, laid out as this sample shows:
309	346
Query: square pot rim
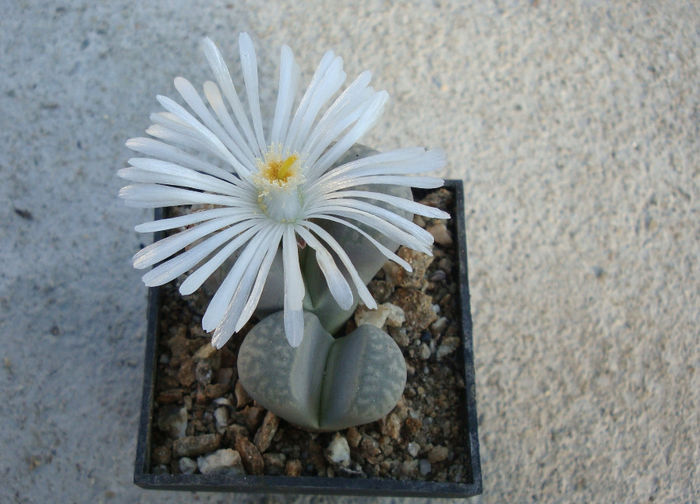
320	485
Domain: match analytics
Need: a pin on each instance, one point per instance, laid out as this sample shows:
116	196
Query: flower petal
223	77
286	93
249	65
337	285
293	289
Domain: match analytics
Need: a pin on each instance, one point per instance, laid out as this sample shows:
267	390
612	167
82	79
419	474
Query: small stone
186	374
353	436
274	463
424	351
293	468
386	446
456	472
391	426
386	314
215	390
417	306
205	352
369	447
161	455
252	459
242	397
267	431
409	468
412	426
226	460
396	275
187	465
196	445
221	419
252	416
316	457
169	396
424	467
438	276
338	451
233	432
173	420
400	336
224	375
203	372
161	469
413	449
437	454
447	346
441	234
438	327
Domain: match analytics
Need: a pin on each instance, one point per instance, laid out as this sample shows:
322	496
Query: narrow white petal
241	297
218	307
200	275
326	61
223	77
326	87
402	203
166	247
155	195
368	119
192	218
155	171
288	82
173	268
204	133
408	181
249	65
161	150
385	251
190	95
337	285
381	225
240	147
293	289
256	292
387	215
362	290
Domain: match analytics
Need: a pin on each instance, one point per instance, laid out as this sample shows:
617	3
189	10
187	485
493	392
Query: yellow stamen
280	171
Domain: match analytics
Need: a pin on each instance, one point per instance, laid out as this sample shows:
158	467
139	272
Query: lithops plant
291	213
325	383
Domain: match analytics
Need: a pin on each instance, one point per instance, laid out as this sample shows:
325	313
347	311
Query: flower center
278	182
278	171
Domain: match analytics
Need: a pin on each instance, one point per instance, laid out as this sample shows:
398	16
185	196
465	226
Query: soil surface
205	421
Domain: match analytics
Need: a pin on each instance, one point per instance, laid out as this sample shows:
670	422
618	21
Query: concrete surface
575	128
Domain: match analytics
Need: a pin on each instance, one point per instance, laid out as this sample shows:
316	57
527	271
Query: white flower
266	188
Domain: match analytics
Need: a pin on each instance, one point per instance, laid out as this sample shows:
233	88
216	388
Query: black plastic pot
143	476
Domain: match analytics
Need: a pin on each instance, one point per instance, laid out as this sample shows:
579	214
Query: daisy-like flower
263	189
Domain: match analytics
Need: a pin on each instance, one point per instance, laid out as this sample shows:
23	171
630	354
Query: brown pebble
205	352
437	454
417	307
251	457
412	426
391	426
369	447
202	372
161	455
293	468
169	396
251	416
409	468
234	431
353	436
274	463
441	234
242	397
186	373
316	457
214	390
266	432
196	445
228	358
224	375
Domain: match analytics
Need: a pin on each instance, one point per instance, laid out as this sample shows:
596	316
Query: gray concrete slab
574	127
